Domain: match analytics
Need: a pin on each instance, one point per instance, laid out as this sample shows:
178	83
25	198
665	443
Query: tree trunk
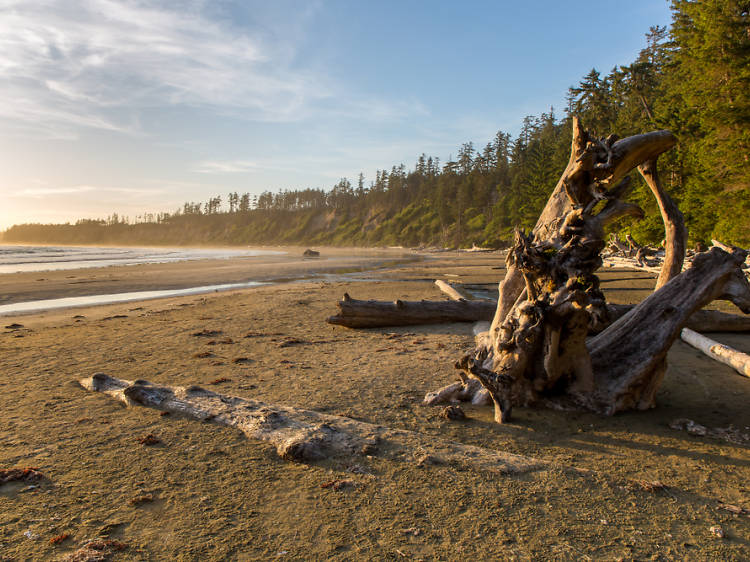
453	292
629	357
699	321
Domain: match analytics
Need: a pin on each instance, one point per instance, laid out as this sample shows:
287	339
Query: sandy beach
216	495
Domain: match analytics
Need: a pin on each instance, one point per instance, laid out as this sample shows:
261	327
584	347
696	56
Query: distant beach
23	258
36	278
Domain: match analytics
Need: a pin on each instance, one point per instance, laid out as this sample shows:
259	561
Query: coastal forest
692	78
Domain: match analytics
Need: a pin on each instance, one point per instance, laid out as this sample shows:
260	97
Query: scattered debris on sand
339	484
206	333
453	412
96	550
730	434
651	486
29	474
59	538
149	439
141	499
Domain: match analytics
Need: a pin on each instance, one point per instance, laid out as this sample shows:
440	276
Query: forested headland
692	78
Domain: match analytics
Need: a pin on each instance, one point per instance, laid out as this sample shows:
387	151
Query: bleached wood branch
450	290
739	361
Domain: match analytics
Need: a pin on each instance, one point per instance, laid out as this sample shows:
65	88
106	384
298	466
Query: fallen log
355	313
699	321
739	361
630	263
308	436
628	359
450	290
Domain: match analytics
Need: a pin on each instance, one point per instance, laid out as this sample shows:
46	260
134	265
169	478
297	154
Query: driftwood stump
538	349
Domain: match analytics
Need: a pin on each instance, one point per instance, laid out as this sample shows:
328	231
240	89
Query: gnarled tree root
304	435
537	350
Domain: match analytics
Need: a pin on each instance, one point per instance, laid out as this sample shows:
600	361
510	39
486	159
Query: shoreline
202	275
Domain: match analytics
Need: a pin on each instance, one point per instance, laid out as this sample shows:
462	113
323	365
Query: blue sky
138	106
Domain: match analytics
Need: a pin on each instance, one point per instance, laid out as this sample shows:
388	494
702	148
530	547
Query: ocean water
17	259
91	300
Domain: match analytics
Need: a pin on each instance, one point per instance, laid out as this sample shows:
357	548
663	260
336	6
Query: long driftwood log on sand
305	435
354	313
451	290
374	314
739	361
700	321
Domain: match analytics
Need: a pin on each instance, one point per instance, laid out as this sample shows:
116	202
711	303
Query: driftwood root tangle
537	350
305	435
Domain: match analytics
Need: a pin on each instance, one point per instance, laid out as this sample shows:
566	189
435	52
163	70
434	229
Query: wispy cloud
92	63
225	167
38	192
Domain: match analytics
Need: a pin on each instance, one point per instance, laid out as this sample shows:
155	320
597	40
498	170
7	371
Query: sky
139	106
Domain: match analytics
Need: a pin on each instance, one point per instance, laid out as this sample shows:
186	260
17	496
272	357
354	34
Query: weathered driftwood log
305	435
739	361
356	313
629	357
374	314
451	290
538	351
700	320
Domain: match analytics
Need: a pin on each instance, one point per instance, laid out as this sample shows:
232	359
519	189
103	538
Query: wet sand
41	285
217	495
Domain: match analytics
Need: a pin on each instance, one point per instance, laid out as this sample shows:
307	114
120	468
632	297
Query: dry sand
219	496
